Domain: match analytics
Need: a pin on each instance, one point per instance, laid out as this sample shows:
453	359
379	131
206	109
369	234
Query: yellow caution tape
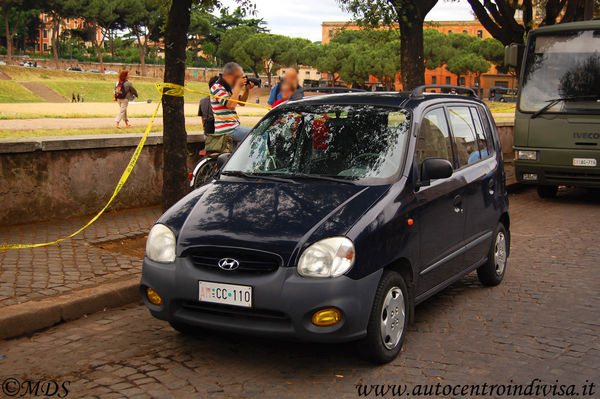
176	90
169	89
122	181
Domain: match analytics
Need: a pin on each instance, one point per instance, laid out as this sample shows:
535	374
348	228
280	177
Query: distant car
315	230
503	94
75	68
93	70
107	72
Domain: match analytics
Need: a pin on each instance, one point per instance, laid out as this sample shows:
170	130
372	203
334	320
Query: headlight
330	257
527	155
160	246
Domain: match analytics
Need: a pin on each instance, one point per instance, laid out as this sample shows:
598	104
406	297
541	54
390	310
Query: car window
483	139
464	132
434	138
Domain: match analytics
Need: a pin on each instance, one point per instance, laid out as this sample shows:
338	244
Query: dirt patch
133	246
44	92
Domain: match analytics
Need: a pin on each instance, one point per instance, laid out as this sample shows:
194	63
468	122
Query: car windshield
562	66
350	142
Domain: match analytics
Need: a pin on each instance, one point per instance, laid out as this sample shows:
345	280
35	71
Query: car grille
234	311
252	261
575	177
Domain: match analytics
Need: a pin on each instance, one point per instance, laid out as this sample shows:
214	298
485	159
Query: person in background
291	76
230	85
205	110
78	98
286	92
73	99
82	97
475	155
124	92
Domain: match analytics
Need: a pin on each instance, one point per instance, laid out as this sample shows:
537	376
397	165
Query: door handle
458	208
491	186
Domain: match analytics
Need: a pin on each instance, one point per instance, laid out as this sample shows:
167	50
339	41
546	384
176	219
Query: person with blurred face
286	92
232	85
291	77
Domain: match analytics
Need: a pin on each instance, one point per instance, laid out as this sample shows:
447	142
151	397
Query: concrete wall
56	177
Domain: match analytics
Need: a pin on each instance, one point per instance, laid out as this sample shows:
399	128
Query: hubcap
392	317
500	253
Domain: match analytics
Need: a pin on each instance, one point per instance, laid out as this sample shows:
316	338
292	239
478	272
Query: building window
462	81
45	46
434	80
480	34
331	32
67	20
477	81
45	34
448	81
307	73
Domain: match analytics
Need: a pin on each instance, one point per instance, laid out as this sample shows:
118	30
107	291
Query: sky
302	18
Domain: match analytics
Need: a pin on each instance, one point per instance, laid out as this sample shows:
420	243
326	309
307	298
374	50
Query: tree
12	12
409	15
140	17
331	58
465	62
254	52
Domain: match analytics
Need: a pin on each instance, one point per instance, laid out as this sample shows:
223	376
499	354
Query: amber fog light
326	317
153	297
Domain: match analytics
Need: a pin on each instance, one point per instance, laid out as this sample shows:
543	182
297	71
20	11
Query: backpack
120	92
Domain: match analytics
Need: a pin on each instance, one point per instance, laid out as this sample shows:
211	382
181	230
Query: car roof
378	98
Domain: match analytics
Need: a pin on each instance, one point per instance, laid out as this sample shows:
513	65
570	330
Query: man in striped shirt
230	86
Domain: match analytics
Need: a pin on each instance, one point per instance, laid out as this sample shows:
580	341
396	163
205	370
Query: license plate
585	162
228	294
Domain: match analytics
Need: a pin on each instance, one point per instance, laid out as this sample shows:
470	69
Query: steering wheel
354	162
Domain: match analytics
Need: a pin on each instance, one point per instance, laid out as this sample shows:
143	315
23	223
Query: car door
477	167
441	215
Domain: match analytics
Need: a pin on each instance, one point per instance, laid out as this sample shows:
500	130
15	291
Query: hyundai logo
228	264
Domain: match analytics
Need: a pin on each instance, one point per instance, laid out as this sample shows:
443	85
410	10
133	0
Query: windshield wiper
239	173
320	177
552	103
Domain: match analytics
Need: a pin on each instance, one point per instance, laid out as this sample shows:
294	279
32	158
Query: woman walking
124	92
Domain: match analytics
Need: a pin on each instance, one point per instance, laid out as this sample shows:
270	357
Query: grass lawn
74	132
12	92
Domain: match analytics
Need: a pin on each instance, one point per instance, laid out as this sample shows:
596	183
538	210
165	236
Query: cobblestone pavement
37	273
542	322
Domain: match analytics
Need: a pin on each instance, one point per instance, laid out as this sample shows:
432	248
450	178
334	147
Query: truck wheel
388	321
547	191
491	273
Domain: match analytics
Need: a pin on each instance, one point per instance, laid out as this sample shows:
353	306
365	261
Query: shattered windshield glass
349	142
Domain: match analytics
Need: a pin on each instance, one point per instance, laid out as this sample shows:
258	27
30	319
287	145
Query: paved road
542	322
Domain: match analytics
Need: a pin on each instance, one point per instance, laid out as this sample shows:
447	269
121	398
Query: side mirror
513	54
435	168
222	159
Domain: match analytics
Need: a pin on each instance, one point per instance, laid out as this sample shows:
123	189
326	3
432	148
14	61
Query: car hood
273	217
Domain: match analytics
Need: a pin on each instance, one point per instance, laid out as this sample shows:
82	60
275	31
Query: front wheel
491	273
206	172
388	322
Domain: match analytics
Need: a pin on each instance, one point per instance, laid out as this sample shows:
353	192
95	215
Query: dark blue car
334	218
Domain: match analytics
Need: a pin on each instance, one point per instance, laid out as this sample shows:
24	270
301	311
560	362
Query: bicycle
208	166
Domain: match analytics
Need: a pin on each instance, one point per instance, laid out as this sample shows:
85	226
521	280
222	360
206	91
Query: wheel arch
505	220
404	267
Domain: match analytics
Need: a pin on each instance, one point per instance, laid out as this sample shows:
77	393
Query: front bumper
283	302
555	167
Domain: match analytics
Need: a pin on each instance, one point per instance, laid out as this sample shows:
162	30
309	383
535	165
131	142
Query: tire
206	172
492	272
379	346
547	191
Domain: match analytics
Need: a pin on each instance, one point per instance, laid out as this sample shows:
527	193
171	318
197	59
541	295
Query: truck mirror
513	54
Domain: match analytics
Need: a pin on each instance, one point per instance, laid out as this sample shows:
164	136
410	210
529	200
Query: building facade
44	42
439	75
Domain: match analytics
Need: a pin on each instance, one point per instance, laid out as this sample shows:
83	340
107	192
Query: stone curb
28	317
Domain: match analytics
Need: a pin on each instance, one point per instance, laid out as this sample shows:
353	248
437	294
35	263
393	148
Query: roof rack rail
298	94
419	91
